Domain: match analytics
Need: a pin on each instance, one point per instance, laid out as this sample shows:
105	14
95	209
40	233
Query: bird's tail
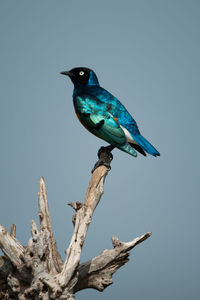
146	146
127	148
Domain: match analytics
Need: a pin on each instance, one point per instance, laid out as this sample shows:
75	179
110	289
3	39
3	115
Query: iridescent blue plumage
104	115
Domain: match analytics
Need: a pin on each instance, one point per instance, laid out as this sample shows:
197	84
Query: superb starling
104	115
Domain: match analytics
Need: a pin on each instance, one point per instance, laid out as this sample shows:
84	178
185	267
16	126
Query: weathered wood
45	223
97	273
83	219
11	247
13	231
36	271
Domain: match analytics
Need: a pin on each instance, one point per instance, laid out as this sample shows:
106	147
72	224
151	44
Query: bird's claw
105	157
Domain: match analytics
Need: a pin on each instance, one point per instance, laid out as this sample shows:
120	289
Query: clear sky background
147	54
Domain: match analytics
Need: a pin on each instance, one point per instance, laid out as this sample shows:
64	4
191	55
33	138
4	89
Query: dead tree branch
36	271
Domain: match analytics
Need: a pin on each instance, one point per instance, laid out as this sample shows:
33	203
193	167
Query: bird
104	115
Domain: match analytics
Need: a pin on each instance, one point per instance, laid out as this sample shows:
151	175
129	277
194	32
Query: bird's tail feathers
138	148
148	147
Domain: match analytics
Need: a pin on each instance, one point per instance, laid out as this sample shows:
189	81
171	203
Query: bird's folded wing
104	126
97	120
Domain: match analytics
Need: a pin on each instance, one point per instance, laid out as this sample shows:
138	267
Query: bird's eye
81	73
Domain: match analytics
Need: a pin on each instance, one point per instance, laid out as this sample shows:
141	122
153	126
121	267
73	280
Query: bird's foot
105	157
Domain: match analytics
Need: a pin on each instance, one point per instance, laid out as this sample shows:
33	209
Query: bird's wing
116	108
107	128
98	121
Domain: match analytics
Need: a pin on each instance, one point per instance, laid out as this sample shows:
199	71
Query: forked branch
37	271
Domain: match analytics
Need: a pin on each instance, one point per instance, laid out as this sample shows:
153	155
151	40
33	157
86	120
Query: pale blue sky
147	54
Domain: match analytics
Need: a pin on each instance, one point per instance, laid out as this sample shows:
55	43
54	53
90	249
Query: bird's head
82	77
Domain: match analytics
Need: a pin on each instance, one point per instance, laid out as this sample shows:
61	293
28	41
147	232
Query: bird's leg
105	157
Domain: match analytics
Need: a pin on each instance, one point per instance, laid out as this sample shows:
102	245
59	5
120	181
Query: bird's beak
67	73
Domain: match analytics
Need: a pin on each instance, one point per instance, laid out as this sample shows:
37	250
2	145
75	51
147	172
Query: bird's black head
82	76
